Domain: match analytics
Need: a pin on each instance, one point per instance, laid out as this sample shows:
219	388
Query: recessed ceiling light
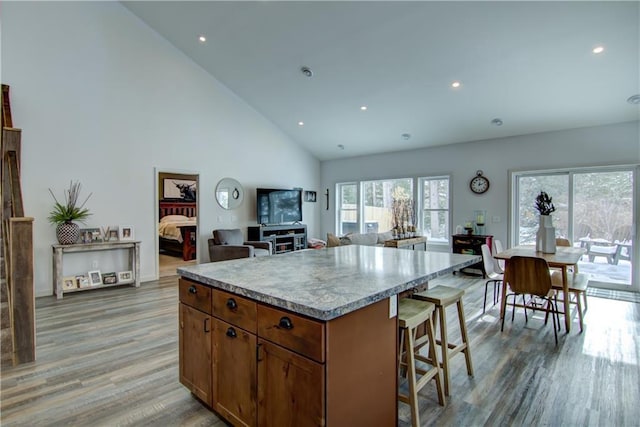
300	123
496	122
306	71
598	49
202	39
406	136
341	147
363	108
634	99
456	84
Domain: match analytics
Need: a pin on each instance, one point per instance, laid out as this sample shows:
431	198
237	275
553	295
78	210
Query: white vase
546	235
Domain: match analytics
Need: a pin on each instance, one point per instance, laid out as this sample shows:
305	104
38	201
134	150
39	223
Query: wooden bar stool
442	297
411	314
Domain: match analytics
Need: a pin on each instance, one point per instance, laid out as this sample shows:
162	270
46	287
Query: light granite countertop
328	283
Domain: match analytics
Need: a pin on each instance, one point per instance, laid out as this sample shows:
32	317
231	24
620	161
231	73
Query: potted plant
64	214
546	235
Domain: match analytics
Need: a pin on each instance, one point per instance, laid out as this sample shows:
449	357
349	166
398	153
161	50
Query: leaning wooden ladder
17	296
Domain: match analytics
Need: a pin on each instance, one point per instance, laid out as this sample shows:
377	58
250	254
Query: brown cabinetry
290	388
256	364
470	244
195	352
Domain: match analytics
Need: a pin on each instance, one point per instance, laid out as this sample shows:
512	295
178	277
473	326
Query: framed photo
109	278
82	281
110	233
179	189
69	283
310	196
126	232
125	276
90	235
95	278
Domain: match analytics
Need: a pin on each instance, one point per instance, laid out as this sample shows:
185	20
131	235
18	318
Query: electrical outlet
94	264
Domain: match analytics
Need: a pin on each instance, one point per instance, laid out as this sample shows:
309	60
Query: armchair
230	244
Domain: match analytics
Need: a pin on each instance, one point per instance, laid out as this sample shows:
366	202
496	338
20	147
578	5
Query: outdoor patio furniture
618	248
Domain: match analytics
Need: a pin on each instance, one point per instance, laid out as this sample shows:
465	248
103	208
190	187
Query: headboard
177	208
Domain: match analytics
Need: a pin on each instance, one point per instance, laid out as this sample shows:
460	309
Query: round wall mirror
229	193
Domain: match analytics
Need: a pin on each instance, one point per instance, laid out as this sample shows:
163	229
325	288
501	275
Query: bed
177	229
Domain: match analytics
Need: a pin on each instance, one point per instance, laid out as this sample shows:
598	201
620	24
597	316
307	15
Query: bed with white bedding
177	229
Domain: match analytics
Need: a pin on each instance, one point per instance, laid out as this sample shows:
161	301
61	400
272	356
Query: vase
546	235
67	233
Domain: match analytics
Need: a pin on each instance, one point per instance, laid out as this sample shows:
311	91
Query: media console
283	238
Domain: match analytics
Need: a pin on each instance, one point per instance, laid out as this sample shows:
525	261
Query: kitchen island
305	338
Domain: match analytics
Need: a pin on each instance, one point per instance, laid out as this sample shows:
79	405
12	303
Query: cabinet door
195	352
234	353
291	388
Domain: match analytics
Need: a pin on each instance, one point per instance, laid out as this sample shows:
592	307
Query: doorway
176	220
596	209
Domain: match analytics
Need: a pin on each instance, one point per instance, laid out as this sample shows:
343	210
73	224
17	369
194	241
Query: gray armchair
230	244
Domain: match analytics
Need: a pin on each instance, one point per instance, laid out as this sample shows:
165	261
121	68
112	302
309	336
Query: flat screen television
278	206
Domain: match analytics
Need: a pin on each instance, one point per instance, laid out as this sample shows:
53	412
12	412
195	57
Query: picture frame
179	189
95	278
125	276
109	278
82	281
310	196
126	232
110	233
90	235
69	283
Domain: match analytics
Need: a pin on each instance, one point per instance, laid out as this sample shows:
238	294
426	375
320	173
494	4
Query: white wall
103	99
594	146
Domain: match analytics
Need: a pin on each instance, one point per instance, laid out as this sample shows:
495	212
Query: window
347	210
372	210
378	200
435	200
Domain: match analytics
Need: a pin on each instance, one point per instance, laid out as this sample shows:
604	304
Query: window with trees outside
371	208
594	211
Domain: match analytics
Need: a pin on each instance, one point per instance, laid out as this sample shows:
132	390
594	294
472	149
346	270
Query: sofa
366	239
230	244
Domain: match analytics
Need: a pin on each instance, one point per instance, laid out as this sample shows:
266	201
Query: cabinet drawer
297	333
234	309
195	295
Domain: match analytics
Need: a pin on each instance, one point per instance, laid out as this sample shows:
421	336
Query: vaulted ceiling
529	64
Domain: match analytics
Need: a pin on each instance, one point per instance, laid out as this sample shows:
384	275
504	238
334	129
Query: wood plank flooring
110	358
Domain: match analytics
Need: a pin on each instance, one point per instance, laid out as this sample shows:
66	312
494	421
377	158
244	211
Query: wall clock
479	184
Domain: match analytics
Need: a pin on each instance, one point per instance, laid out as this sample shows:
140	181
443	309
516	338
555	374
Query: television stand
283	238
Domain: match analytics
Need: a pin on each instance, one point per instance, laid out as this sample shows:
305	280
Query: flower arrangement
69	211
544	204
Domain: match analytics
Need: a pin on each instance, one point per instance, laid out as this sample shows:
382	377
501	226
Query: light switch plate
393	306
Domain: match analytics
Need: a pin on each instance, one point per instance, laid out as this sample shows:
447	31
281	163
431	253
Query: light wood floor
110	357
167	264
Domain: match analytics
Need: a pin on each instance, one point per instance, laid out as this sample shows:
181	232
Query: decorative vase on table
546	235
67	233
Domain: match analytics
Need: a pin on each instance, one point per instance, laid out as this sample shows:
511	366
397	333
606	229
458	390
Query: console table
409	243
471	244
60	250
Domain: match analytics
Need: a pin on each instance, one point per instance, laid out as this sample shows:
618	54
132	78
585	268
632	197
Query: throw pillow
332	240
368	239
228	237
383	237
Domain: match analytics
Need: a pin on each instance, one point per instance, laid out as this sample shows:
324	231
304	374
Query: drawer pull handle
192	289
231	333
285	323
232	304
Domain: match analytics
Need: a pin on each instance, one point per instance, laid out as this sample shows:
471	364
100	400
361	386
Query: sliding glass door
596	209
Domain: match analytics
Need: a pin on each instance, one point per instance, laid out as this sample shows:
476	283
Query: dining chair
531	275
577	285
493	276
497	244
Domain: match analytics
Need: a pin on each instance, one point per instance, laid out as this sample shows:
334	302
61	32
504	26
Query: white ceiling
527	63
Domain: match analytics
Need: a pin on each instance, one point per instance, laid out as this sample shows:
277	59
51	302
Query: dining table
562	259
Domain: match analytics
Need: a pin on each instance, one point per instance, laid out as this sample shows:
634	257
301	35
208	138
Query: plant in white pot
64	214
546	235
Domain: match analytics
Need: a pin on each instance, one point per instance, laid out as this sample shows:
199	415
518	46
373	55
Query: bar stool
442	297
411	314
